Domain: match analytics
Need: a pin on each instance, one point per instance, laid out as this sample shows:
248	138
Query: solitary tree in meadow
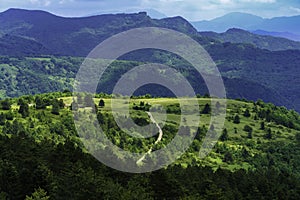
101	103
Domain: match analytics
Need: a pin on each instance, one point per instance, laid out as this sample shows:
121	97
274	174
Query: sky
193	10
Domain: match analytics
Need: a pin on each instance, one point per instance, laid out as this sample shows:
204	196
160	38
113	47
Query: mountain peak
174	22
177	18
241	14
238	19
24	11
236	30
18	13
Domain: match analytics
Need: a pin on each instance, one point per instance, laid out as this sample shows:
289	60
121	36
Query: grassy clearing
238	141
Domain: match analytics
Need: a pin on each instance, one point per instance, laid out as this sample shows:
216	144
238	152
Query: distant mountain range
288	27
286	35
248	69
271	43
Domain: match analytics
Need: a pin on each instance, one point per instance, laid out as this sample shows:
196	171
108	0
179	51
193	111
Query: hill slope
40	147
286	35
271	43
18	46
21	76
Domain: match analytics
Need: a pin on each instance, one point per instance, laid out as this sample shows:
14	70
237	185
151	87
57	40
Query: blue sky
190	9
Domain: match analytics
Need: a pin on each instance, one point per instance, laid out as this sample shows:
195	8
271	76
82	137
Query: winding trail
160	135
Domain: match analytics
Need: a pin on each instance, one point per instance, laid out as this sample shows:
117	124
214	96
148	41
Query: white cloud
294	9
225	1
41	2
258	1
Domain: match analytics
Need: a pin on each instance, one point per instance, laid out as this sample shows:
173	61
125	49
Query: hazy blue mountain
231	20
287	35
252	23
271	43
282	24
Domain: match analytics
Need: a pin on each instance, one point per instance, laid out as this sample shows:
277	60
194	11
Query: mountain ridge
154	14
235	35
78	36
251	23
286	35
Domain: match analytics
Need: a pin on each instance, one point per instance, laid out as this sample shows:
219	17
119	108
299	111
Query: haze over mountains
288	27
248	69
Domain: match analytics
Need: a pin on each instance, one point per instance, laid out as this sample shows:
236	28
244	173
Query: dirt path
160	135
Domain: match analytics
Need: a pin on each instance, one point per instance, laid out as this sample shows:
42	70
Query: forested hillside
261	75
257	155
